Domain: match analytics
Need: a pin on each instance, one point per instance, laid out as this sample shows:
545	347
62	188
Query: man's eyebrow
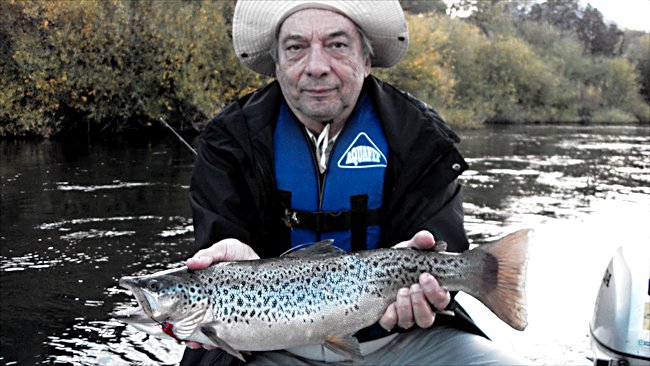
338	34
297	37
292	37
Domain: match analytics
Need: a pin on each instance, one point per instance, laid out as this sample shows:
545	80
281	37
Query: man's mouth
319	92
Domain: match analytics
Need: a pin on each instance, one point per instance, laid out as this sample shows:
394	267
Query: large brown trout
317	295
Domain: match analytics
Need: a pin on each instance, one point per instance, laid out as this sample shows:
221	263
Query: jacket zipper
321	177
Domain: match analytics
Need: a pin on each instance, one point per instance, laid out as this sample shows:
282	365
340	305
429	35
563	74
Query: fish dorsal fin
313	249
347	346
209	331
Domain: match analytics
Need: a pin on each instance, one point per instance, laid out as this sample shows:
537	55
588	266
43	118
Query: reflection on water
77	216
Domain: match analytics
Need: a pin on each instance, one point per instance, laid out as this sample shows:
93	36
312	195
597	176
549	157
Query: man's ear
367	66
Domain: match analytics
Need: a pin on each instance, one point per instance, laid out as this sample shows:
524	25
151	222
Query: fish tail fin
503	290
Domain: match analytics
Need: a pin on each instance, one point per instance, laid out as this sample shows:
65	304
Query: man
329	151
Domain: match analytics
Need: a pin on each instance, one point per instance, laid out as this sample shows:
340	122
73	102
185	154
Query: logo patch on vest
362	153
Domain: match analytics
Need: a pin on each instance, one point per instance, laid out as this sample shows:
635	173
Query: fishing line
179	136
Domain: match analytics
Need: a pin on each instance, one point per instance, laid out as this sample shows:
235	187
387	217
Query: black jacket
232	193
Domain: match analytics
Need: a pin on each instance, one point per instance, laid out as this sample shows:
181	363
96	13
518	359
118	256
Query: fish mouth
143	313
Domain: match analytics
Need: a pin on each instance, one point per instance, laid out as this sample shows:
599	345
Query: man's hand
412	304
221	251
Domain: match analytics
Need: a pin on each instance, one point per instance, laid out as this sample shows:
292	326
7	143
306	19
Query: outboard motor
620	327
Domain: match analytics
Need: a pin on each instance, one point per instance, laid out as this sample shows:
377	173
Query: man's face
320	65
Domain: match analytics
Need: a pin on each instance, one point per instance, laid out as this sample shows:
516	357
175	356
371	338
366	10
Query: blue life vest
342	204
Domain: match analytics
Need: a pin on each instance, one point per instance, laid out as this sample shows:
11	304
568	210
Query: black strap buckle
290	218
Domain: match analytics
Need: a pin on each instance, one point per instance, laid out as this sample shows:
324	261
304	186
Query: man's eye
338	45
293	48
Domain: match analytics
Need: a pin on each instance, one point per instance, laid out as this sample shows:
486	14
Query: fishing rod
179	136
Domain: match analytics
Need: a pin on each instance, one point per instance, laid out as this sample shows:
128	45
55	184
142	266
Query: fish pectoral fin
211	333
347	346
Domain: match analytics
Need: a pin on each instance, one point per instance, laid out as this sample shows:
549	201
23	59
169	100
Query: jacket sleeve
219	197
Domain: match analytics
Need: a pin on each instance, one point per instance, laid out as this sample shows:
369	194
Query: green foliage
115	65
636	48
534	72
587	23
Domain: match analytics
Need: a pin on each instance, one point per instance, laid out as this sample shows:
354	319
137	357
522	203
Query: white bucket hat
256	23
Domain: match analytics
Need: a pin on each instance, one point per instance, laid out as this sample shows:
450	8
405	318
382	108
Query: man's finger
436	295
389	319
422	313
193	345
404	309
200	262
421	240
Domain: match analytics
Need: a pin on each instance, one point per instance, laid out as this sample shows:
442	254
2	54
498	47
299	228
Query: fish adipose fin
347	346
209	332
505	272
313	249
440	246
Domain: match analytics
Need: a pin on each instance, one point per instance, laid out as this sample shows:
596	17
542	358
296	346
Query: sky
627	14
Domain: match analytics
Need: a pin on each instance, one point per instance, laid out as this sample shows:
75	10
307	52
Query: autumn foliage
116	65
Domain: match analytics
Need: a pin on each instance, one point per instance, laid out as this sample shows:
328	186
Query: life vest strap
357	219
324	221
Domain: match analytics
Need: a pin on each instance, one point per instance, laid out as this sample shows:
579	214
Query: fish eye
153	285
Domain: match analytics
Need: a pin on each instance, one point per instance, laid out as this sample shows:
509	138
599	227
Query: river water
76	216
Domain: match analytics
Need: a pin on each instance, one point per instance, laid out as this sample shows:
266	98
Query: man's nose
318	62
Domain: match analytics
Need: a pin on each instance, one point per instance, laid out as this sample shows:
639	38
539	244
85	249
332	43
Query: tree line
118	65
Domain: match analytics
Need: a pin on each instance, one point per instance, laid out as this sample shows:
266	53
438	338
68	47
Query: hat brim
256	22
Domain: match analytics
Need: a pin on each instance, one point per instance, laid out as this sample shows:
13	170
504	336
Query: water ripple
63	186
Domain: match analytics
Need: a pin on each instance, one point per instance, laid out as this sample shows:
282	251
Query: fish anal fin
313	249
347	346
211	333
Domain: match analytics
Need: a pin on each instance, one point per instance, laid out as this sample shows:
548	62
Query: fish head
171	303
